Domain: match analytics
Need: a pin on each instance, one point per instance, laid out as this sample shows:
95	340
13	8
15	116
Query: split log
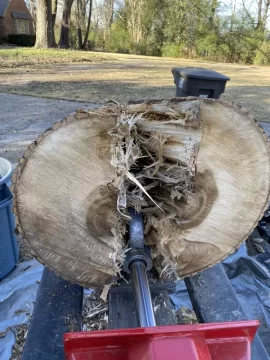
198	170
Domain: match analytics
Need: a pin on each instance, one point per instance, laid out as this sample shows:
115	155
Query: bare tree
88	25
32	6
44	33
108	6
259	19
265	14
135	13
65	26
96	15
79	18
213	9
83	14
54	11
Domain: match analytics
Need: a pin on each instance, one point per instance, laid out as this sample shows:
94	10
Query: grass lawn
99	77
30	56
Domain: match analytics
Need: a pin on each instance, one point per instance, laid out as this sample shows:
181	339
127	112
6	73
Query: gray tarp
17	296
250	277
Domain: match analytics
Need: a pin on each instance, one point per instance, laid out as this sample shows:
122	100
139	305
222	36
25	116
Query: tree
231	32
83	21
65	26
135	11
44	30
80	20
54	11
32	6
88	25
108	6
262	14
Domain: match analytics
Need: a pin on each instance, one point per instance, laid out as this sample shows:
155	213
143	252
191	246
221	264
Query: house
15	18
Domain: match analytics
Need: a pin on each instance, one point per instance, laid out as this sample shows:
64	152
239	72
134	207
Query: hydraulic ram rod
142	293
138	263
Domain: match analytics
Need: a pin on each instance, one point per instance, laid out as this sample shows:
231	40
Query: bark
80	20
64	36
54	11
44	33
79	35
88	25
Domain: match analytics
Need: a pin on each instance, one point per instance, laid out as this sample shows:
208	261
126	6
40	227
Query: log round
67	193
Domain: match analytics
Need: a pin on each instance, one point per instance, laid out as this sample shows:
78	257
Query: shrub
206	47
263	54
172	50
119	40
22	39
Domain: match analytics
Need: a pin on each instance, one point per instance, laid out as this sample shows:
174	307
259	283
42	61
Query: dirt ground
23	118
131	77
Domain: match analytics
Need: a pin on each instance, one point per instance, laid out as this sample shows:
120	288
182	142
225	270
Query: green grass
32	56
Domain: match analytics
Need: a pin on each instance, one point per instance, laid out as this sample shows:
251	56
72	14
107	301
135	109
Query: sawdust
24	250
95	312
20	333
186	316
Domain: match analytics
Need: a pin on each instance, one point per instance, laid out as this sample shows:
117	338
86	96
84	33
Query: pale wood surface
234	154
63	181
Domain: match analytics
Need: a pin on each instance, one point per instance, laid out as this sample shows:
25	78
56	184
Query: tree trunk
79	36
233	5
265	14
108	15
213	9
259	20
33	11
44	34
135	9
80	18
197	169
54	11
64	36
88	25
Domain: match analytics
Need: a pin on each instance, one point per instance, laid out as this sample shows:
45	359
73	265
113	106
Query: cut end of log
198	170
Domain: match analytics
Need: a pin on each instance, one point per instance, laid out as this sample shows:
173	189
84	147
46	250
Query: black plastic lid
198	73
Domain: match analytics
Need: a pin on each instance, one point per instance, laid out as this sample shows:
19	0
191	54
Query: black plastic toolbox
191	81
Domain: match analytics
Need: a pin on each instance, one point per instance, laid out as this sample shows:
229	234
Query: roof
3	6
21	15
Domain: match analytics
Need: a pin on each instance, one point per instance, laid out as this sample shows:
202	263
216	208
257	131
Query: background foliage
226	31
